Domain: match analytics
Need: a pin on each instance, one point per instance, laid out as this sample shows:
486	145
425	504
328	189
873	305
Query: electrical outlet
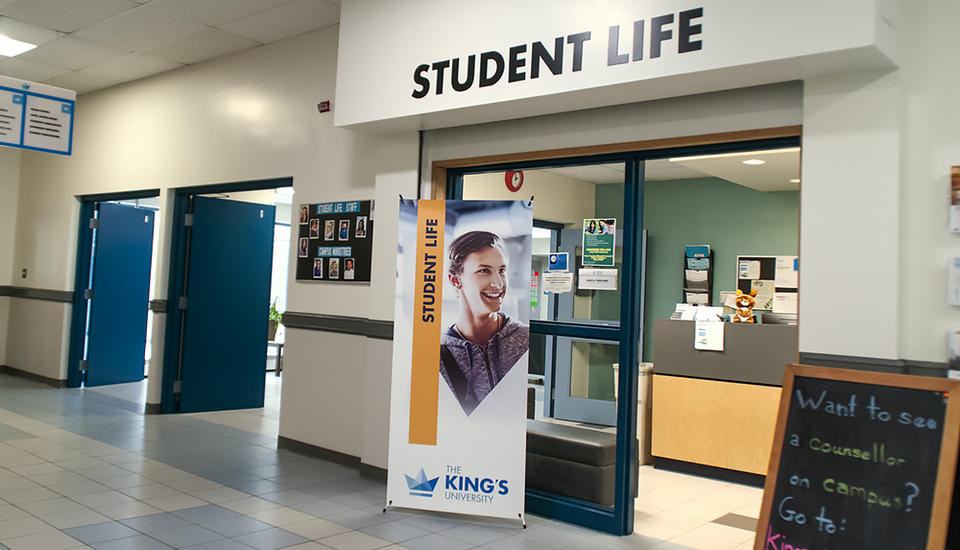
23	274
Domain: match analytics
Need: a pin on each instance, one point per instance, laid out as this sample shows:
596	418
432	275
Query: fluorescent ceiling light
795	181
10	47
755	162
740	154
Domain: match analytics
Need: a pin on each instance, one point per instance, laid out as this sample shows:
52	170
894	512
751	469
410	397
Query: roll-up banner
461	336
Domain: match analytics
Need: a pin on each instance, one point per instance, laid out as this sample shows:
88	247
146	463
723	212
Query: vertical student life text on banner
458	397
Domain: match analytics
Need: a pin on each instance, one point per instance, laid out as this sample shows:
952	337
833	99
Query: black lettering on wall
516	63
638	40
614	57
555	63
686	30
485	78
421	81
455	76
577	40
440	67
658	34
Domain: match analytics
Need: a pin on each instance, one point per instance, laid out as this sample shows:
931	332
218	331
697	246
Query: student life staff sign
458	407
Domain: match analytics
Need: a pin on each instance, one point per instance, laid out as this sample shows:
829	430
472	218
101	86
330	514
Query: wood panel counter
719	409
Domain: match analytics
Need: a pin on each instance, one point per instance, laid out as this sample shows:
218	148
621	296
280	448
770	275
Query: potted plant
276	318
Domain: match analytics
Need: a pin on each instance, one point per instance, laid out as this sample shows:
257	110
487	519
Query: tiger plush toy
745	303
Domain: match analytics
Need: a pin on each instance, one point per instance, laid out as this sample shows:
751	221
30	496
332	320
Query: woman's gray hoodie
472	371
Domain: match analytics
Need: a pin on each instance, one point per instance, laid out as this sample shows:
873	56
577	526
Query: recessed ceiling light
795	181
10	47
755	162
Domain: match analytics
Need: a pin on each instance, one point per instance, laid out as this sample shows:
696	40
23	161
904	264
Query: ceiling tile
202	46
139	29
131	67
28	70
215	12
82	82
285	21
26	32
72	52
66	16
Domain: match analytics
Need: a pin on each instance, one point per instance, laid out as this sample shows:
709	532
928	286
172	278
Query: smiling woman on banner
484	344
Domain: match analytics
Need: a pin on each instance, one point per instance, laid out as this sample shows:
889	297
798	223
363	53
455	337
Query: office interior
873	145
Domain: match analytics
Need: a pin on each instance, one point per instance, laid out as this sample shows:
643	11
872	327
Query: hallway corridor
84	468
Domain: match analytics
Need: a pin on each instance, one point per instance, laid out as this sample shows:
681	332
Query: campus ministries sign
36	116
458	397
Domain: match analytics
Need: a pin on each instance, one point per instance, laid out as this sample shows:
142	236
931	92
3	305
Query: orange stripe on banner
425	372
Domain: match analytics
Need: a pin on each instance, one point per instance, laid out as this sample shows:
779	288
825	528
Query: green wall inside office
732	219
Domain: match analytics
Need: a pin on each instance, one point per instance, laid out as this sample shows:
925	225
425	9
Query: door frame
177	276
447	182
81	281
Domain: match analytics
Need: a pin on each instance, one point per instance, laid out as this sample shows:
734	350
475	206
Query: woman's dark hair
592	226
467	244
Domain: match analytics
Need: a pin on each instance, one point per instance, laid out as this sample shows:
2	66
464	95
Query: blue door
117	331
228	299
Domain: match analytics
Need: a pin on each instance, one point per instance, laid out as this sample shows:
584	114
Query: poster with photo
599	238
461	339
331	234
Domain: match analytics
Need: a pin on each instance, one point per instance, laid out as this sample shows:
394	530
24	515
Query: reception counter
718	409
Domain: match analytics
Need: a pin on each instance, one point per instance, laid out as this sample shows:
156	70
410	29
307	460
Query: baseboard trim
358	326
714	472
56	383
42	294
372	473
152	408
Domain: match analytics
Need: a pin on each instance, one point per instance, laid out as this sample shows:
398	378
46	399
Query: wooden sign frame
946	466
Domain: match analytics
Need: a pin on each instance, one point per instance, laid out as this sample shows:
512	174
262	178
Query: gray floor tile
270	539
141	542
434	541
181	537
204	514
155	522
101	532
395	531
236	526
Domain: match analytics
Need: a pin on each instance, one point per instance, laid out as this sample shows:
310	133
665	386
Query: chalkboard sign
860	461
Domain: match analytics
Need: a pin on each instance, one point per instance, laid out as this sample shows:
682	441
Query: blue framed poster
37	117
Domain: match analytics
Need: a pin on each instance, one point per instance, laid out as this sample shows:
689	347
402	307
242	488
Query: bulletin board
335	242
775	278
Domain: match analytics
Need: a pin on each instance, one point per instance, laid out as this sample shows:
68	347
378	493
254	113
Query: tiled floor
85	469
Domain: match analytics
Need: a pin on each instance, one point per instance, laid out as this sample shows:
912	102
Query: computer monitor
778	319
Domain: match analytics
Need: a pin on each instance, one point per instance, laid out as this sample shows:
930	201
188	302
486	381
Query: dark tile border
372	473
738	521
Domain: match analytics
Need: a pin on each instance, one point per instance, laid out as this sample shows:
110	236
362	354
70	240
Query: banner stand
461	339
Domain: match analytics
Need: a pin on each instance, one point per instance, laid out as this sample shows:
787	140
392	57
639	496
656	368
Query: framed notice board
861	461
335	242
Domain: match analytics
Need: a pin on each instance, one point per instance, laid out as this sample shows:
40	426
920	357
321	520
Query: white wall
550	192
244	117
930	145
849	216
9	187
